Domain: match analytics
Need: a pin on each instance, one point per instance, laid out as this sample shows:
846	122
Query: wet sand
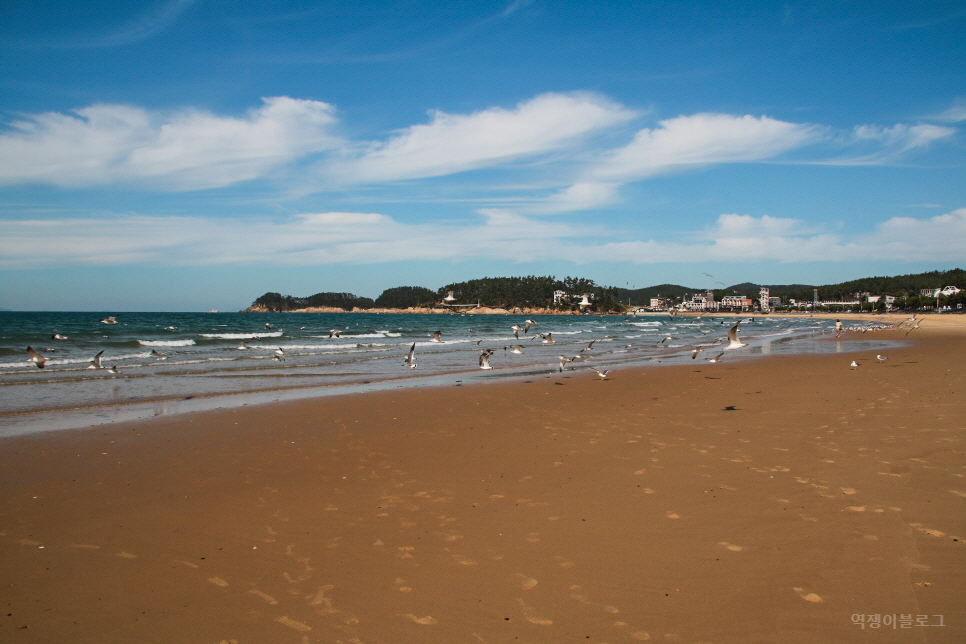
760	500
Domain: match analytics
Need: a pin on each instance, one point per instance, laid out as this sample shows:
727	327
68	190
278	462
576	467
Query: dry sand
764	500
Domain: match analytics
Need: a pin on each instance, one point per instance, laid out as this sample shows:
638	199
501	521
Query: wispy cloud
320	239
702	139
453	143
188	150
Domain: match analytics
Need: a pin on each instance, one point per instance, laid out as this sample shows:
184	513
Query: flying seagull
516	330
242	346
37	358
529	324
437	337
548	339
114	369
58	336
268	325
109	320
717	358
410	360
279	354
485	359
697	350
733	342
154	352
96	362
515	348
563	360
335	333
602	374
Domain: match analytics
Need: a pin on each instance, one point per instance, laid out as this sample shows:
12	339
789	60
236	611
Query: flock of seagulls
483	359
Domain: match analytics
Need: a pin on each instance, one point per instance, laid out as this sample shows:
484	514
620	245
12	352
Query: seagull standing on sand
96	362
854	364
878	357
410	360
37	358
733	342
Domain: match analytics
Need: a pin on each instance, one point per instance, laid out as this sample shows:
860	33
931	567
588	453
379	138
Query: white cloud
189	150
702	139
453	143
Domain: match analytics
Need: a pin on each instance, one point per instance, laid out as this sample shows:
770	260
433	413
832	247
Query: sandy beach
756	500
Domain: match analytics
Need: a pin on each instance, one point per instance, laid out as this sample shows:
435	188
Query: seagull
854	364
114	369
697	350
484	359
672	313
548	339
670	337
279	354
696	319
529	324
268	325
58	336
242	346
335	333
878	357
602	374
109	320
410	360
515	348
733	339
563	360
516	330
914	327
437	337
96	362
154	352
37	358
589	346
717	358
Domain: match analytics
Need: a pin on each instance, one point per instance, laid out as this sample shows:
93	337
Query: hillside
538	292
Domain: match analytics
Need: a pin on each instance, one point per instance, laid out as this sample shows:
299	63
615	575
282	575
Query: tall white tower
764	295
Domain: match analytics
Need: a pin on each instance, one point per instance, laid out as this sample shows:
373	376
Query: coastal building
658	303
703	302
736	303
764	296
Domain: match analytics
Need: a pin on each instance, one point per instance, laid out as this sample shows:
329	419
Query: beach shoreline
775	497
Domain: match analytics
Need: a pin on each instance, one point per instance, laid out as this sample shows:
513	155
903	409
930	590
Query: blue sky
187	155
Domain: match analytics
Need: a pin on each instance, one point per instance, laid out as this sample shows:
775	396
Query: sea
169	363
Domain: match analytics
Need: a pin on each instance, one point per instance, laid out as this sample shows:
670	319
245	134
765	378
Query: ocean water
228	359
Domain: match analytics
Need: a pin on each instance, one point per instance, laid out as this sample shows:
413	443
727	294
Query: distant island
548	295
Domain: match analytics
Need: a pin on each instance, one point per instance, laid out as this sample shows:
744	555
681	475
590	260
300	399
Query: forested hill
538	292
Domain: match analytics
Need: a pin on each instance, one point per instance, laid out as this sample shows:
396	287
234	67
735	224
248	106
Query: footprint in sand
534	537
809	597
730	546
126	555
526	582
291	623
426	621
530	617
848	490
673	515
271	600
218	581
